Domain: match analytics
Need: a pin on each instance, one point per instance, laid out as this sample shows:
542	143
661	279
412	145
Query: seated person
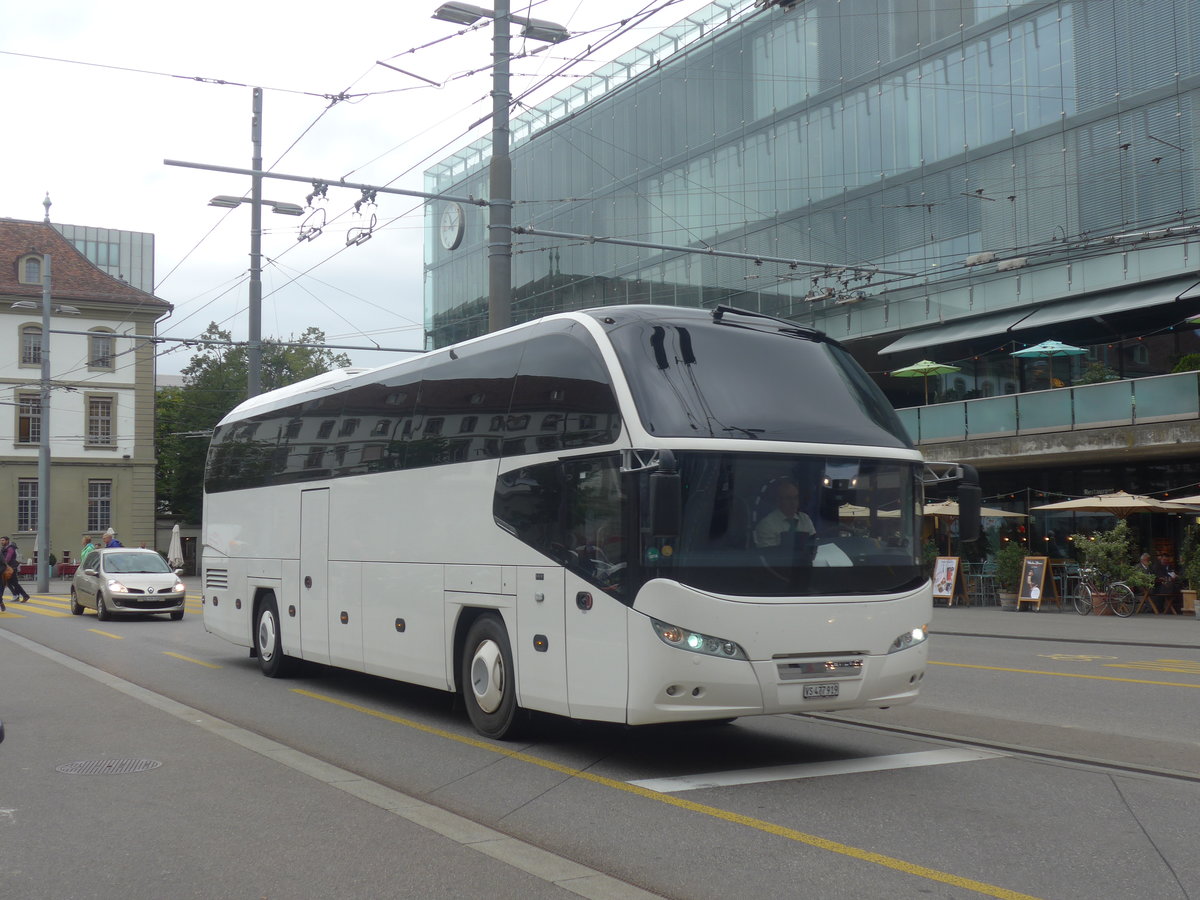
786	518
1166	584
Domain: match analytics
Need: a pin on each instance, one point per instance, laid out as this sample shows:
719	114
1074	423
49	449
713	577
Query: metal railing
1131	401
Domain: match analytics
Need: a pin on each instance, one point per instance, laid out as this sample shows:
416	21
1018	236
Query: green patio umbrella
924	369
1048	350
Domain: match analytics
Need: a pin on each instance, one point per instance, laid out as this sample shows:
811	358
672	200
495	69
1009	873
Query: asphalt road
1050	755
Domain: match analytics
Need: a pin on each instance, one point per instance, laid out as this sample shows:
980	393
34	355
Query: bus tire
268	642
487	679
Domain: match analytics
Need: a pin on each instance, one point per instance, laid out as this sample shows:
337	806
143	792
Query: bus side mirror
666	496
969	496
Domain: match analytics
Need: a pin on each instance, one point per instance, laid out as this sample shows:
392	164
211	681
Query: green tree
215	382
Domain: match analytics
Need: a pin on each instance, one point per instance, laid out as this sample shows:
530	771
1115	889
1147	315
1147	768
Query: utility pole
254	343
500	179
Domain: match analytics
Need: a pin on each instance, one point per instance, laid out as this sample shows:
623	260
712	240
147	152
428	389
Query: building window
29	419
31	345
100	421
349	426
468	424
293	428
326	428
315	455
100	350
29	270
99	512
434	426
27	495
381	427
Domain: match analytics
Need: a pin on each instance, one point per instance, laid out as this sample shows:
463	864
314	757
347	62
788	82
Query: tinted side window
461	409
574	512
563	394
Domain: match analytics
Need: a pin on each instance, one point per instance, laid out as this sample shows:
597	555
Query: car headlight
694	641
910	639
116	587
180	587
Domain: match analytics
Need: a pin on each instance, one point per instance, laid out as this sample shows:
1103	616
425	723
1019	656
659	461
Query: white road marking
814	770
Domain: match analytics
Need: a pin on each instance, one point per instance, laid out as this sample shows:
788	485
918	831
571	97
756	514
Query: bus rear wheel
486	679
268	642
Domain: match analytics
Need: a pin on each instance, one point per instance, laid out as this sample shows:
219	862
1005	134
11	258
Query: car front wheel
102	612
76	606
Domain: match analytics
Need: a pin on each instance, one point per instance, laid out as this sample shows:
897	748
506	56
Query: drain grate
108	766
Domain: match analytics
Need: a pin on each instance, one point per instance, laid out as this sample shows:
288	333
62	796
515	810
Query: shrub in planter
1189	557
1112	553
1009	561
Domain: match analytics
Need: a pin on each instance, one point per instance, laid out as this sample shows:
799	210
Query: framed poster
947	579
1035	586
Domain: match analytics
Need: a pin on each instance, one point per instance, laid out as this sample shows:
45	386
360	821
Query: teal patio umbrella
1048	350
924	369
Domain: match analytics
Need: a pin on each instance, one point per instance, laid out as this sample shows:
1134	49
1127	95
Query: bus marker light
583	600
344	617
237	604
216	600
400	625
292	610
540	643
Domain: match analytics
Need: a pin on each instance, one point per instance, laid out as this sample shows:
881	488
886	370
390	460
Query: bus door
314	575
540	642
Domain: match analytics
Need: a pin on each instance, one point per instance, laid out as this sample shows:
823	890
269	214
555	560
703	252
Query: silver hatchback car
125	581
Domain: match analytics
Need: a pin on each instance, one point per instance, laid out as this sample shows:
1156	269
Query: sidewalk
1050	624
167	801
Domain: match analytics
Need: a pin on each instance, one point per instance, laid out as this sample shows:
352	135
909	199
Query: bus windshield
790	525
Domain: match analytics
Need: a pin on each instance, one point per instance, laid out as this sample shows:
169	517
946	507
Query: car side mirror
91	572
178	573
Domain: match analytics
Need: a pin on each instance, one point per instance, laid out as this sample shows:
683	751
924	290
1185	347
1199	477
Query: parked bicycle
1098	592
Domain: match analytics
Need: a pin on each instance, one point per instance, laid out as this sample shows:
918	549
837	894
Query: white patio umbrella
1119	503
175	550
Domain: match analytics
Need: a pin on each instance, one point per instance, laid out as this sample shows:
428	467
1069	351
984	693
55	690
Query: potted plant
1189	567
1009	561
1111	553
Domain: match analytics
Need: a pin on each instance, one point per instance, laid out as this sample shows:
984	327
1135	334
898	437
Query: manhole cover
108	766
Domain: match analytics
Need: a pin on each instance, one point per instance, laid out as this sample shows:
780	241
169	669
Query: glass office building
953	179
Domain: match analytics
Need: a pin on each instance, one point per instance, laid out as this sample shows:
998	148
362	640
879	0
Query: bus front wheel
487	683
268	643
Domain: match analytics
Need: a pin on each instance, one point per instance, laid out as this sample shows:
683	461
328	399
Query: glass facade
985	157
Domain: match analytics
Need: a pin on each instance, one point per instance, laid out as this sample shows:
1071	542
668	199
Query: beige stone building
101	411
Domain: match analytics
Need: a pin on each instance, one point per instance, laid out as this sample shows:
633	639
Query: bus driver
786	518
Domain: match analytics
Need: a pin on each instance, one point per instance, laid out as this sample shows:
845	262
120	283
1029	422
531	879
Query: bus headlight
706	644
910	639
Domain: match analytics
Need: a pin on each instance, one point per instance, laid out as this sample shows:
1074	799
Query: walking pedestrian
88	547
10	558
109	539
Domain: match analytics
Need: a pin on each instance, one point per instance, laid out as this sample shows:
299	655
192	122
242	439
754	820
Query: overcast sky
95	136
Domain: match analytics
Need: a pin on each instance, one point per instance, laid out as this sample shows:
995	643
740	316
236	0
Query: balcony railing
1133	401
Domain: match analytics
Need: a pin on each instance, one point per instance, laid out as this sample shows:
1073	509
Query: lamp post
43	498
500	169
256	201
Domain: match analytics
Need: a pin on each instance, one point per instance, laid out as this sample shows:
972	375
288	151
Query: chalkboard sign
1037	582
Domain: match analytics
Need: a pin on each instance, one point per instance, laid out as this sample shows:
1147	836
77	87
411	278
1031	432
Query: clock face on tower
451	228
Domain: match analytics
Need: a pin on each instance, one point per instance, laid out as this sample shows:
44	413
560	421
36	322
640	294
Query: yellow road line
115	637
189	659
37	610
790	834
1066	675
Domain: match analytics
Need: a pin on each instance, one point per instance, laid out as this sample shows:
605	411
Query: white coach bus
634	514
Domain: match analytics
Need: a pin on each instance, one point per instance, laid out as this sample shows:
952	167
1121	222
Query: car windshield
134	564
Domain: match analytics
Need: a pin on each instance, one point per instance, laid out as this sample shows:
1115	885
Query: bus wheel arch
487	674
267	636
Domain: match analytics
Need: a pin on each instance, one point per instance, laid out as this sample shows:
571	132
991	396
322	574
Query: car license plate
819	691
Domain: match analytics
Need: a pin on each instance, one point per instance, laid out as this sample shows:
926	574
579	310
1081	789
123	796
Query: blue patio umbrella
1048	350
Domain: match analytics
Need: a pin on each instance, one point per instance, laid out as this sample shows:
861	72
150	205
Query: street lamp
43	499
500	170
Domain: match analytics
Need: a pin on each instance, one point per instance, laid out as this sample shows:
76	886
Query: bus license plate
819	691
